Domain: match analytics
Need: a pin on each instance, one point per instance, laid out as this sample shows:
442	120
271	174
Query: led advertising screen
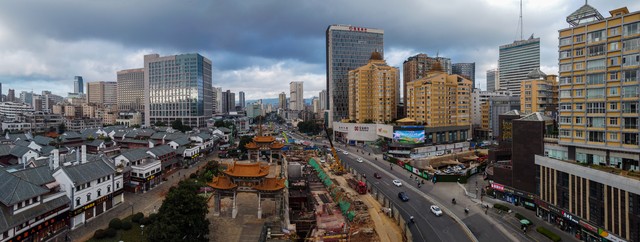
408	136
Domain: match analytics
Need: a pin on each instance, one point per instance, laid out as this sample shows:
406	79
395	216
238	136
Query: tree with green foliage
219	123
182	216
62	128
177	125
309	127
159	124
243	142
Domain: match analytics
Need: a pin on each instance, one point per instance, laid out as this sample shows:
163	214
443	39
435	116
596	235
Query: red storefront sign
498	187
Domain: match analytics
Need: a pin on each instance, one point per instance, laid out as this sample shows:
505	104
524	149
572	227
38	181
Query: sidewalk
510	219
146	203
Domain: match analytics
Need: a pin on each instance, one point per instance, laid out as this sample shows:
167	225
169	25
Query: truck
359	186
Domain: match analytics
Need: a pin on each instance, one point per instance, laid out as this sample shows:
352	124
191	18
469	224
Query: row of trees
182	216
310	127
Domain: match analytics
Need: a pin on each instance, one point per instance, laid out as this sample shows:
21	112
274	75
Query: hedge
99	234
544	231
126	225
137	217
501	207
110	233
115	223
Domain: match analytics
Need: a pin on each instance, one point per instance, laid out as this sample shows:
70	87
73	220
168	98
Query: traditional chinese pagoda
263	145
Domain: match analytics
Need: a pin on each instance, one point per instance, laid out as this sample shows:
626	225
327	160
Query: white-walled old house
93	186
141	170
32	207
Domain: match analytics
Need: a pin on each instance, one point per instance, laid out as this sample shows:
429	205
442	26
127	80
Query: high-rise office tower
516	61
491	80
323	99
228	101
102	93
416	67
78	84
177	87
241	101
466	70
11	95
130	90
348	48
589	174
217	100
26	98
374	91
282	101
296	96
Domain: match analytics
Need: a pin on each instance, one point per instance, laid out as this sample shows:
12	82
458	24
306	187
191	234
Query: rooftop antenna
521	30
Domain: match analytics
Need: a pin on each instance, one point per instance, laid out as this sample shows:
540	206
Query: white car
397	183
436	210
359	160
345	152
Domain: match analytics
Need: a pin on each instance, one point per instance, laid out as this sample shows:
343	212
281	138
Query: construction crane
337	164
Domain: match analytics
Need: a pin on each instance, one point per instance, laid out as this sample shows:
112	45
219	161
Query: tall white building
516	61
323	99
492	76
296	101
478	98
178	87
11	111
217	100
282	101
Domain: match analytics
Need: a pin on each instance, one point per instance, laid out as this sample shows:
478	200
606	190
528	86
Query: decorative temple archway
264	145
247	177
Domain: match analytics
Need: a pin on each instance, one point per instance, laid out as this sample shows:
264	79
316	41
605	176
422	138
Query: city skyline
47	49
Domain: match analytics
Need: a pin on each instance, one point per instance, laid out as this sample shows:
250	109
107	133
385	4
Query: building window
613	136
613	76
565	106
566	67
109	189
630	75
596	36
88	197
77	201
565	120
596	50
613	106
117	185
596	136
565	80
579	52
613	46
613	91
578	120
578	93
630	138
565	94
629	29
579	106
99	192
594	79
631	45
565	41
579	133
598	107
565	133
631	60
579	80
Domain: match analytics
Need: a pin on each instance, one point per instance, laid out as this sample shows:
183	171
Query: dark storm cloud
251	40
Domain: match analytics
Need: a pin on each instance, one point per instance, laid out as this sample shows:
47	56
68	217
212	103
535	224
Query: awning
52	185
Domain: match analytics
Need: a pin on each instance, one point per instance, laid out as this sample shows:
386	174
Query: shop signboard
570	217
588	226
497	187
384	130
609	236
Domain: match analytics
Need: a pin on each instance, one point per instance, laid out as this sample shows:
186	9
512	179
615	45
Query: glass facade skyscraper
348	48
516	61
78	84
467	70
178	87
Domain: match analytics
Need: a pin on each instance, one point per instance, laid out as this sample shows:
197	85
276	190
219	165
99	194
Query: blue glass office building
178	87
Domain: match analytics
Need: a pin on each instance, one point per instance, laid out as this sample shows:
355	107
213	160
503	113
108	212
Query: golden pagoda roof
251	145
277	145
270	184
264	139
222	183
247	170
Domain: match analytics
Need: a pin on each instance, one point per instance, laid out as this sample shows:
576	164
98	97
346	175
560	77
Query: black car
403	196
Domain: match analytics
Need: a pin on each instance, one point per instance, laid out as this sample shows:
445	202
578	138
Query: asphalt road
428	227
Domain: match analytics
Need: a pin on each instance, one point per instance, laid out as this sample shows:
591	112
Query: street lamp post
131	203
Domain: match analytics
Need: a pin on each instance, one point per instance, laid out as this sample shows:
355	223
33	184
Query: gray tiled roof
161	150
23	143
158	135
204	135
5	150
146	132
42	140
70	135
182	141
175	136
86	172
136	141
13	189
224	130
136	154
38	175
46	150
19	151
95	143
14	137
8	220
180	150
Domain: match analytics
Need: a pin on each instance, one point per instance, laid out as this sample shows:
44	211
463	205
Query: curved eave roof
264	139
270	185
222	183
247	170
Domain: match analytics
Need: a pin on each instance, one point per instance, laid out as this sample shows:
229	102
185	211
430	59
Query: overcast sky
259	46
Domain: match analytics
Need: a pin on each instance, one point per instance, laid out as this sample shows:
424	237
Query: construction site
329	204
